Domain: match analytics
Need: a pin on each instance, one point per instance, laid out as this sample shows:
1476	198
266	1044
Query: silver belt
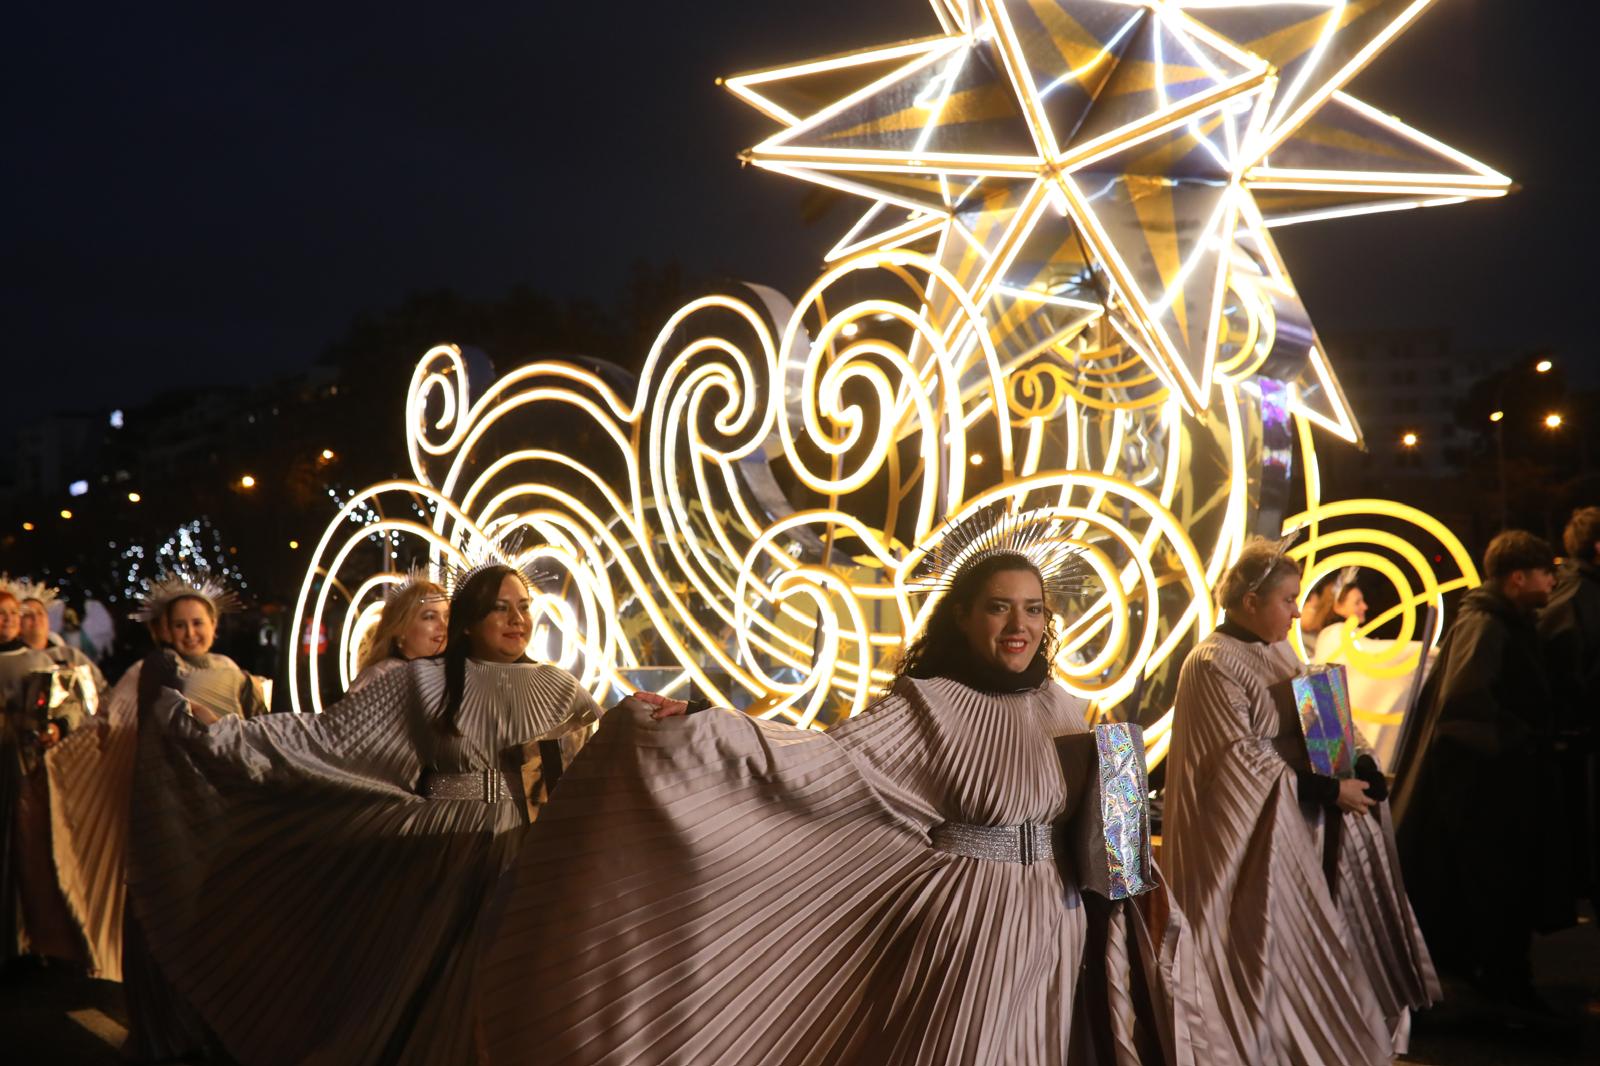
488	786
1025	844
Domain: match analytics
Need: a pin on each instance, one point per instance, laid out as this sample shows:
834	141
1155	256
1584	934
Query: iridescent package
1322	703
1104	839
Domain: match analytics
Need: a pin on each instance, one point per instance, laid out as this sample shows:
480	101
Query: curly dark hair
942	642
470	605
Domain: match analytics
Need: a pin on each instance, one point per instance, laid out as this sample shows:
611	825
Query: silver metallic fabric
486	785
237	830
1024	844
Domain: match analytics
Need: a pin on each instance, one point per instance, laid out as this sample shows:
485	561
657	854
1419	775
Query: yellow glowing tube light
380	526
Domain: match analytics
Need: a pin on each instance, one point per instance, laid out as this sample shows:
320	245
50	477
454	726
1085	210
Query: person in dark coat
1472	811
1570	629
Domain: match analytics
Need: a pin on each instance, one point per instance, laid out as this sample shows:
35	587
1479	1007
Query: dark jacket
1473	818
1570	629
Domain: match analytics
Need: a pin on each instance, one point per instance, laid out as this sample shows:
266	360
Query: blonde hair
1260	565
399	611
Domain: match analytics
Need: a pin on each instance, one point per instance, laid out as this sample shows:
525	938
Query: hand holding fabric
667	707
661	706
1353	798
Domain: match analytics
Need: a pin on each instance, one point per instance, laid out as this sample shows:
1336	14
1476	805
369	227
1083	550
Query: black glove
1319	789
1377	785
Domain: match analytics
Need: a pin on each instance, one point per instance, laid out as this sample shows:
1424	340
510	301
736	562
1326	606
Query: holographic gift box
1322	702
1104	838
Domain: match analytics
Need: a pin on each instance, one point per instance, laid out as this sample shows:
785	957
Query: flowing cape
293	886
722	889
91	776
1300	974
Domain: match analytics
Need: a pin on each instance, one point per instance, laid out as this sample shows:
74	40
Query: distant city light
1409	440
1543	366
1495	416
294	545
977	459
1552	420
65	513
27	527
134	497
327	454
247	482
116	419
78	488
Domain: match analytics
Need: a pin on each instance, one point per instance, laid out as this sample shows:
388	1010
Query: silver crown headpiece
1279	553
24	590
1345	578
483	554
173	585
417	575
1038	536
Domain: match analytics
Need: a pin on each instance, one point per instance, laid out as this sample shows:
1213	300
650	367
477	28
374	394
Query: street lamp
1498	417
327	455
247	482
134	497
1409	440
66	513
1552	420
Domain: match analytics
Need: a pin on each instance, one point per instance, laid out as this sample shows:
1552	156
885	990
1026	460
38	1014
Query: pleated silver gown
299	892
718	889
90	779
1301	975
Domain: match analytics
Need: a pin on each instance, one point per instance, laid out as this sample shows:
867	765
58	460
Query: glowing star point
1072	154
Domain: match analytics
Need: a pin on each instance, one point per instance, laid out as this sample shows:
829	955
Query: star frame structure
1076	160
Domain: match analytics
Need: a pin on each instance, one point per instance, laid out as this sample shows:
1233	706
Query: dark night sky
209	193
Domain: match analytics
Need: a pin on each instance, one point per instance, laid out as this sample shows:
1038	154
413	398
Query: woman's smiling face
1006	620
502	636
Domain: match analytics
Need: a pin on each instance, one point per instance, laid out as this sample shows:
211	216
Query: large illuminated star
1074	159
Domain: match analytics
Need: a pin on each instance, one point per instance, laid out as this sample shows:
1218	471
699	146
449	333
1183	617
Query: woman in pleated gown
1312	960
91	775
314	886
712	888
413	624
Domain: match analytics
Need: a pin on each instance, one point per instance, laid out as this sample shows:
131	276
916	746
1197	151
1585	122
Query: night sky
210	193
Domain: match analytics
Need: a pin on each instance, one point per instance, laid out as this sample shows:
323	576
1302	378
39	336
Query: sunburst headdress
417	575
175	585
1039	537
25	590
482	554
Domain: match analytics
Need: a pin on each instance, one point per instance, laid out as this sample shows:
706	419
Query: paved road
49	1017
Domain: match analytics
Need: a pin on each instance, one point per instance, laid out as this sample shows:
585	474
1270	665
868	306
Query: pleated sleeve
294	888
699	889
365	740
